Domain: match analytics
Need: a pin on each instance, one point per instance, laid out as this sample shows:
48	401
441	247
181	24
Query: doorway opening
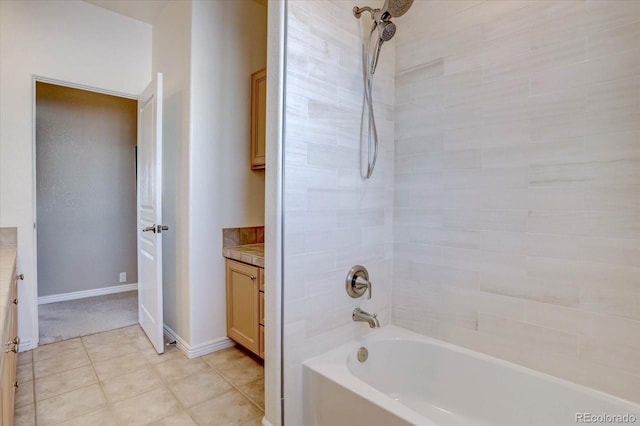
86	211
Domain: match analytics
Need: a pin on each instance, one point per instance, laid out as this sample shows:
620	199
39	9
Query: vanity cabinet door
258	118
243	309
9	359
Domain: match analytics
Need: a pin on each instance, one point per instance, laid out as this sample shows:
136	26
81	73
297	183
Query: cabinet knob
16	384
15	341
20	277
15	301
14	349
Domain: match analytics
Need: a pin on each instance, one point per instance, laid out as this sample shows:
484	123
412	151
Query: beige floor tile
169	354
146	408
257	421
102	417
24	394
118	366
111	337
25	416
101	353
120	338
197	388
56	349
241	371
182	367
57	384
230	408
254	391
181	418
74	380
25	357
70	405
224	356
129	385
67	360
25	372
141	342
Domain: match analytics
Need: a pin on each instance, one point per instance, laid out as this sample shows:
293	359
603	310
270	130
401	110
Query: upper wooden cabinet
258	118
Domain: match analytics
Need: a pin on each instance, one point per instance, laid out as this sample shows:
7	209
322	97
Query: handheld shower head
386	31
390	9
397	8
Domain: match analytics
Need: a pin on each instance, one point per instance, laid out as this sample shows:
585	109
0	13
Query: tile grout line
108	404
166	384
237	387
33	378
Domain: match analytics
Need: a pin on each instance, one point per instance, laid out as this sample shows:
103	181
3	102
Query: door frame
274	220
33	302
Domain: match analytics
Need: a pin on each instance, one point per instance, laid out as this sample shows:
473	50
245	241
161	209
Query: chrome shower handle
357	282
363	285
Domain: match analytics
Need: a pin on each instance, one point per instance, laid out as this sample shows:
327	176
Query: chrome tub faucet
360	315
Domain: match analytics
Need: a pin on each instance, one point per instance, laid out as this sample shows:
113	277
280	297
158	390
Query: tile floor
116	378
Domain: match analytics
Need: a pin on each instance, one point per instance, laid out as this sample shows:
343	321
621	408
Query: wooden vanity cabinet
9	356
261	354
258	118
243	304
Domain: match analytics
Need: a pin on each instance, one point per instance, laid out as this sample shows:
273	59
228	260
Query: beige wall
517	212
207	52
334	219
86	189
172	57
228	44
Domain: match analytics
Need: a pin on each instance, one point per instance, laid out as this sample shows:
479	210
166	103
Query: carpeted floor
80	317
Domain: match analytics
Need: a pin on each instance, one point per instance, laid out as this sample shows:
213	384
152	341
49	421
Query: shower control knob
357	282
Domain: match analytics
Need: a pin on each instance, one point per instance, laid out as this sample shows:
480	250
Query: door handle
156	228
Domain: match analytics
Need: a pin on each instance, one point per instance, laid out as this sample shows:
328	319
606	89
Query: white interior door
150	226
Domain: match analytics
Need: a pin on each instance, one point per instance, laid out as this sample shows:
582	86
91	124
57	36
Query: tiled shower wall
334	219
517	177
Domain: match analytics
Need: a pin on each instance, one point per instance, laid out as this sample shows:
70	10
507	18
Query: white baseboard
198	350
87	293
27	345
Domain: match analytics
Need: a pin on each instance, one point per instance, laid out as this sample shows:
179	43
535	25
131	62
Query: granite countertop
253	254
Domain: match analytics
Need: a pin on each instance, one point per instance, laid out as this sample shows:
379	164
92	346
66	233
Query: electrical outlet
123	277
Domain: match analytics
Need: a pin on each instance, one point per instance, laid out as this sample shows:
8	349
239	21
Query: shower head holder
357	11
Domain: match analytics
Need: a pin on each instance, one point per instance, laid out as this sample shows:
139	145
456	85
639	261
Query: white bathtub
410	379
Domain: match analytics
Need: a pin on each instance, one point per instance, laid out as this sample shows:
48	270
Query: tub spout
360	315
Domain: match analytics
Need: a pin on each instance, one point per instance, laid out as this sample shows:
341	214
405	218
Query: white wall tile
333	218
503	214
546	227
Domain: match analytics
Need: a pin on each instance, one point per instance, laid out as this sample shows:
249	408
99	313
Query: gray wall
86	192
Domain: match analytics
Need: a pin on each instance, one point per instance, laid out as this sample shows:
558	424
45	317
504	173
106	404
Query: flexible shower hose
367	105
